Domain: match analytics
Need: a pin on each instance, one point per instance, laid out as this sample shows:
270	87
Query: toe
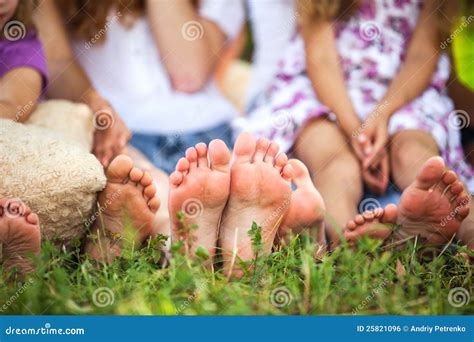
261	149
182	166
351	225
150	191
244	148
201	149
135	175
176	178
390	214
368	215
462	213
378	212
119	169
154	204
281	161
192	157
272	151
147	179
32	218
301	176
431	173
219	155
456	188
287	172
450	177
359	219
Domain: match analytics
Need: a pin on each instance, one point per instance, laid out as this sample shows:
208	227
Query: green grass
366	281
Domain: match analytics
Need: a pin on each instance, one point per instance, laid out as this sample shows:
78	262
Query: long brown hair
85	18
312	11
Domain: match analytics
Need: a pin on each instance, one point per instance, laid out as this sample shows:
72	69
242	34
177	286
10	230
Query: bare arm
68	80
420	63
189	62
19	91
326	75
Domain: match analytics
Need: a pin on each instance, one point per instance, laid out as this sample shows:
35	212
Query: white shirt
273	24
126	69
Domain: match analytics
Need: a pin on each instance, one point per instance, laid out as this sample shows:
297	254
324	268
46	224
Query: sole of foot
126	209
260	192
20	236
376	224
306	209
199	189
434	205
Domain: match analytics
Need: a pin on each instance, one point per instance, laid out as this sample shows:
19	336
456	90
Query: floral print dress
372	47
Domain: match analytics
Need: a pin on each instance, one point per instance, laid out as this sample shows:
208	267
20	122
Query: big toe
390	214
301	176
219	155
431	173
244	148
119	169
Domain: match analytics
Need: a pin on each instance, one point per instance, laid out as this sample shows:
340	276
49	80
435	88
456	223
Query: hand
374	139
376	177
111	135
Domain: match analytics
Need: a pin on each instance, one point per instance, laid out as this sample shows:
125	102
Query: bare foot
20	235
376	224
306	209
434	205
199	189
260	192
128	201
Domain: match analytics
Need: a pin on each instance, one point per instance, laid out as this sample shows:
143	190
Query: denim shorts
164	151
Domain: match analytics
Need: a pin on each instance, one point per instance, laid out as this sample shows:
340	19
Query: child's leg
162	218
409	150
335	171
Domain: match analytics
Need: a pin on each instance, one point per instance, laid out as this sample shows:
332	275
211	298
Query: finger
366	145
376	157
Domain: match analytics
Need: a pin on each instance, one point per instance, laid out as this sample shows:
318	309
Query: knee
407	154
346	169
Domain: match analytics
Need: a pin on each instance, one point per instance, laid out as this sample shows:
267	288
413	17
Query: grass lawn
289	281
